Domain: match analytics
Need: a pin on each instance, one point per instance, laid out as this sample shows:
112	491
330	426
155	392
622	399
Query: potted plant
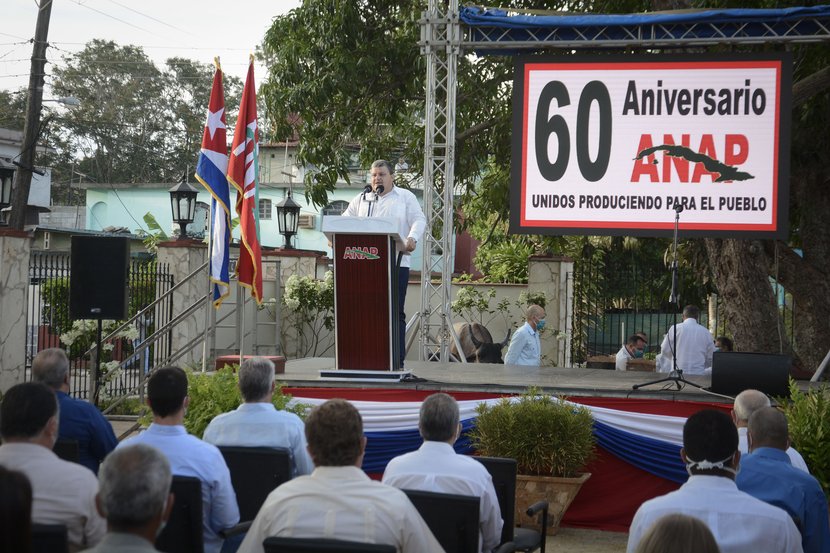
551	440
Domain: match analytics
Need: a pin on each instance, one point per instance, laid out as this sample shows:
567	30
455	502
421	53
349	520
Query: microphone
678	208
367	189
379	190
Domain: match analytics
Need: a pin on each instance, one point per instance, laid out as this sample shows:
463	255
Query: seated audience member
15	511
678	534
746	403
79	420
188	455
722	343
62	492
436	467
634	348
134	496
739	522
768	475
338	501
694	346
257	423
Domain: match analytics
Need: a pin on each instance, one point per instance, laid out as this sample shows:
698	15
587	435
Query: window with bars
265	209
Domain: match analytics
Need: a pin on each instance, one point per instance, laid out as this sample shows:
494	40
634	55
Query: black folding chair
321	545
68	450
503	472
183	532
49	538
453	519
255	472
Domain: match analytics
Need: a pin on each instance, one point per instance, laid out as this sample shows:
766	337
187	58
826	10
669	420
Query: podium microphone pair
368	188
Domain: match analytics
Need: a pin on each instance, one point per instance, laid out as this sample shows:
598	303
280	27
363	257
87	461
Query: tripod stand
676	375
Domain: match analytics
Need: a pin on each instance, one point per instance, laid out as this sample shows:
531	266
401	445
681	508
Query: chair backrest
183	532
321	545
503	471
49	538
453	519
68	450
255	472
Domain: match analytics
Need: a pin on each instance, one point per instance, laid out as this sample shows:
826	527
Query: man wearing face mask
634	348
525	347
739	522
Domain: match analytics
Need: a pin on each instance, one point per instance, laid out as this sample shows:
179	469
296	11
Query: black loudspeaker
98	285
734	372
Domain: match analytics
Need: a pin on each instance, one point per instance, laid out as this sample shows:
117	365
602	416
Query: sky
195	29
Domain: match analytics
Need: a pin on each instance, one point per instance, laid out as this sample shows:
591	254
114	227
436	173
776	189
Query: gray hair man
79	420
747	403
134	496
257	423
436	467
63	492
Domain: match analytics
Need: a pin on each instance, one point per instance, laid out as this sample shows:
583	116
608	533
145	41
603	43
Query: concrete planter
559	492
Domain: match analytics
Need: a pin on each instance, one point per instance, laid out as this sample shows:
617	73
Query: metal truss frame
444	38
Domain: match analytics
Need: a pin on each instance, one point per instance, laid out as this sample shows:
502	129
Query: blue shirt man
525	347
79	420
767	474
257	423
188	455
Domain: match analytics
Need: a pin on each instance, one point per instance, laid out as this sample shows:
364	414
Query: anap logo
360	253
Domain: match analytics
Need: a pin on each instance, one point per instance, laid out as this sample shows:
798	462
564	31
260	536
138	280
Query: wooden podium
365	298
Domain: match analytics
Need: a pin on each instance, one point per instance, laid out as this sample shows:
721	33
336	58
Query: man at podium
383	199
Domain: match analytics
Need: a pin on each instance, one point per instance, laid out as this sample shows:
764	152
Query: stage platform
509	379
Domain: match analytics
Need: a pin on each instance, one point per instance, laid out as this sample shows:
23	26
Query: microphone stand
676	375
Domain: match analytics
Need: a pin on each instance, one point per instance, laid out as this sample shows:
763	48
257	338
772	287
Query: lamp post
183	204
6	179
288	217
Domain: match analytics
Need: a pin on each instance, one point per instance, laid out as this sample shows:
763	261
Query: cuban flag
243	169
211	171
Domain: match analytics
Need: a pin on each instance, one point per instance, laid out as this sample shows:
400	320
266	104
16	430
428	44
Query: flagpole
242	326
209	297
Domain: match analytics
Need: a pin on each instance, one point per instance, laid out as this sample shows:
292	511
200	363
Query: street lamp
183	204
68	101
6	179
288	217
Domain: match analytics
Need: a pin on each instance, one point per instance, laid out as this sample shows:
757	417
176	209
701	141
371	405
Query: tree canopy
136	122
349	72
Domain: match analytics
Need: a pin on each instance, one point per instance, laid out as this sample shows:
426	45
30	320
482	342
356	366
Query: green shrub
808	416
212	394
546	436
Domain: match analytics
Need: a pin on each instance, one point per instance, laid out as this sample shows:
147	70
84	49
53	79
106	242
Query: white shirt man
436	467
62	492
739	522
694	347
257	423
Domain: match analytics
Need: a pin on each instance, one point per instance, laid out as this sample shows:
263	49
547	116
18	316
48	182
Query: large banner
620	145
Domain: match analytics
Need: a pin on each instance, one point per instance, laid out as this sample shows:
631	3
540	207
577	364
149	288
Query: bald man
746	403
525	347
768	475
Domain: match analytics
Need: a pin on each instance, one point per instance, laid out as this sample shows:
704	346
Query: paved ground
580	540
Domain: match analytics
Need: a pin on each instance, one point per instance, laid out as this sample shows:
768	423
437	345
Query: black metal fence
49	324
613	301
